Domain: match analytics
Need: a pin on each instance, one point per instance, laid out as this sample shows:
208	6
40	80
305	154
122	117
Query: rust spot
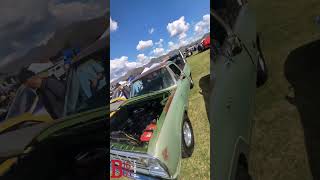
165	154
166	107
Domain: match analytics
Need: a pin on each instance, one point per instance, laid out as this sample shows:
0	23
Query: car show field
279	143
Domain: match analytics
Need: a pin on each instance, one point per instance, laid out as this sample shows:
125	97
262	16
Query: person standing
51	91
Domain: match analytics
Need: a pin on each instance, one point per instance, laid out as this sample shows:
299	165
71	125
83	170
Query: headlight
155	167
143	163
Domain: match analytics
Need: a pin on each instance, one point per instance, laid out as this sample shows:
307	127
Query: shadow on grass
204	85
302	70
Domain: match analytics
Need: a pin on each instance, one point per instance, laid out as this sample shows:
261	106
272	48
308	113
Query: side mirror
235	46
182	76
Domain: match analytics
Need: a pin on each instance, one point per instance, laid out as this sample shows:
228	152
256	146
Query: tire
242	172
187	146
262	71
191	82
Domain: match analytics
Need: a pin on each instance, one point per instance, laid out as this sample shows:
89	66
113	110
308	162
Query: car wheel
242	172
187	138
191	82
262	71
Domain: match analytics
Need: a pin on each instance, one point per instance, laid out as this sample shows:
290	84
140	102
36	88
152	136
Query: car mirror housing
182	76
235	46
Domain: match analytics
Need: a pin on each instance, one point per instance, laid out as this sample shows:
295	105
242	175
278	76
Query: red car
206	43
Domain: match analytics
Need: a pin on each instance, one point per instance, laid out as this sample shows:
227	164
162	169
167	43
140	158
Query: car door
183	83
231	98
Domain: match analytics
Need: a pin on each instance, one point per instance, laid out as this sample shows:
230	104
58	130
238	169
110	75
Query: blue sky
137	27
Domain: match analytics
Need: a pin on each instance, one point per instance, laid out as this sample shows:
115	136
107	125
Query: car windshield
87	87
23	102
154	81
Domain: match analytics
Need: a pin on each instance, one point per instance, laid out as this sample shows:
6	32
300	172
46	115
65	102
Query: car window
219	33
229	10
154	81
22	103
175	70
86	87
178	60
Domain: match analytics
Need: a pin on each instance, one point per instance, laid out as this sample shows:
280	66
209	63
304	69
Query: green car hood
17	141
150	146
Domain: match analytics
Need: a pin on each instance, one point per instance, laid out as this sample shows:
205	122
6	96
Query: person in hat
51	91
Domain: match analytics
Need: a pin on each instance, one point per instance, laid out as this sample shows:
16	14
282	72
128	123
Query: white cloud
159	43
158	51
120	66
45	40
6	60
141	58
74	11
144	44
178	27
151	30
203	26
113	25
172	46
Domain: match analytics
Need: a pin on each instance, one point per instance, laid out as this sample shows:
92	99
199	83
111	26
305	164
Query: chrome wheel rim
187	135
261	62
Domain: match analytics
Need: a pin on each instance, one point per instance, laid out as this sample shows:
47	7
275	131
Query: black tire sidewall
187	151
191	82
262	73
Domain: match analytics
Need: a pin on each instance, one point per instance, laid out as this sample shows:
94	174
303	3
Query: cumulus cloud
203	26
151	30
158	51
143	59
178	27
22	28
120	66
69	11
159	43
144	44
172	46
113	25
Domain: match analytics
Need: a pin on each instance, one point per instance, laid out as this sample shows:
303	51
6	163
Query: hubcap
187	135
261	62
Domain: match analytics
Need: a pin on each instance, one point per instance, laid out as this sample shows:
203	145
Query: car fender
241	147
168	146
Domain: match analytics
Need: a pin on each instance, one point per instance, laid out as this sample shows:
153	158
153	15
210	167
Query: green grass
198	165
277	145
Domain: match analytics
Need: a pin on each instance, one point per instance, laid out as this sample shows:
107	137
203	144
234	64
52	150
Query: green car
74	146
237	68
152	128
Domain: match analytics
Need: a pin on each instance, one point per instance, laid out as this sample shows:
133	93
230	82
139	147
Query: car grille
140	166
